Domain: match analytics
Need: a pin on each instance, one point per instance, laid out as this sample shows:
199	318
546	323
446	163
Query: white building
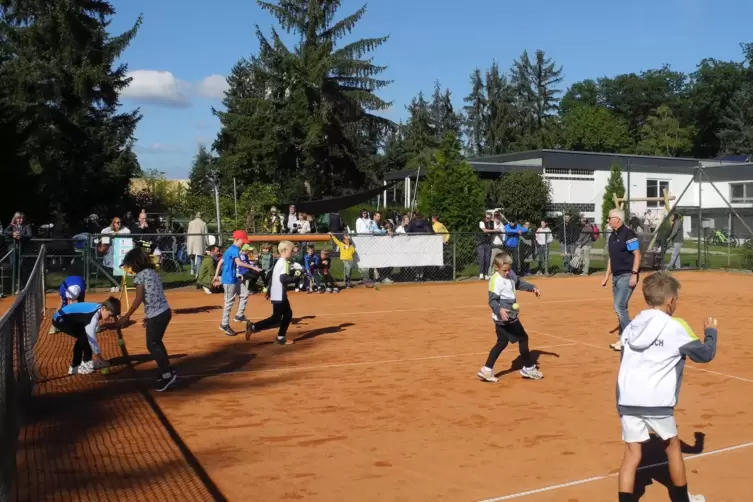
579	178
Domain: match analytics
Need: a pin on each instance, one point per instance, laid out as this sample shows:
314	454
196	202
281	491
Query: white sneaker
86	368
73	370
100	363
481	277
533	373
486	277
696	498
617	347
487	375
206	290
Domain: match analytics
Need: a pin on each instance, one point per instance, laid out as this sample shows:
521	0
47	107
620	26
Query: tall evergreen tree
615	186
536	84
419	131
202	164
475	114
736	132
311	105
61	80
502	117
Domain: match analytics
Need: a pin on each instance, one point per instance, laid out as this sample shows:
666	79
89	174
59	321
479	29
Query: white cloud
158	87
158	148
162	87
214	87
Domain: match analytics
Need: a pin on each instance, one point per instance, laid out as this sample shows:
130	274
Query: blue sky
185	48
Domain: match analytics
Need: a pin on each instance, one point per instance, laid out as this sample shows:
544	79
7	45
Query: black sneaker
166	381
250	330
228	331
283	341
241	318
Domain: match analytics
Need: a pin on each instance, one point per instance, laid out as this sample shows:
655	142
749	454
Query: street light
213	178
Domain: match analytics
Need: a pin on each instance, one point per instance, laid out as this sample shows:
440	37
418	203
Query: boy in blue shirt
227	270
81	321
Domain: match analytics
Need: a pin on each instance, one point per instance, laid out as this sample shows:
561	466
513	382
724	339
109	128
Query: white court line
395	311
693	367
614	475
331	366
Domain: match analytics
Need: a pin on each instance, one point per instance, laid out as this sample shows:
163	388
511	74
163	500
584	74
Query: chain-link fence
547	250
19	330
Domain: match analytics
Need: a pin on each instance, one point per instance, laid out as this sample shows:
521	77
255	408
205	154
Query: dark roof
494	165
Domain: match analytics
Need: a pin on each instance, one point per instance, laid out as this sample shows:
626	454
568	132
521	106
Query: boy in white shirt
282	314
654	348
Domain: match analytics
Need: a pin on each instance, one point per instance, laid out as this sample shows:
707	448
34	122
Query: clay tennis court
378	400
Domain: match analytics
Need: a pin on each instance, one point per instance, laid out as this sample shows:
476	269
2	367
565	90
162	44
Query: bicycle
722	238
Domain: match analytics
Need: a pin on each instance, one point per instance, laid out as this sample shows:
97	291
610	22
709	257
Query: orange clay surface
378	401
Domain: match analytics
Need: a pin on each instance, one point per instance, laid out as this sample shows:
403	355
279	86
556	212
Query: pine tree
62	78
537	97
614	186
419	131
203	162
736	136
502	117
475	113
304	116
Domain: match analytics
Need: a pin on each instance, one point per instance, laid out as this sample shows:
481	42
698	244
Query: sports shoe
100	363
617	347
480	277
250	330
53	330
240	318
228	331
166	381
283	341
487	375
336	290
696	498
86	368
207	290
533	373
487	277
73	370
329	290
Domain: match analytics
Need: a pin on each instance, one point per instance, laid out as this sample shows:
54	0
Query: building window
741	192
655	188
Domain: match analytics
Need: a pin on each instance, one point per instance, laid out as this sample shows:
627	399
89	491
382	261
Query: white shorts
636	429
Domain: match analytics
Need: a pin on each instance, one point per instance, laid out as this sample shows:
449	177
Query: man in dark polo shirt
623	265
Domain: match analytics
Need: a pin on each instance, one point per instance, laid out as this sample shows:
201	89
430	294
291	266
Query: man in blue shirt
624	266
232	284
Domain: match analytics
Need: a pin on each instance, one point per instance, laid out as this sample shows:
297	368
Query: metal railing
19	331
463	256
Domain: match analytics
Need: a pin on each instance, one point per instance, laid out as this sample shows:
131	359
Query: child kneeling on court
503	302
654	348
282	275
157	313
81	321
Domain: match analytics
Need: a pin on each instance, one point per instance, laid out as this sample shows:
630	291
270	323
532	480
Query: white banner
400	250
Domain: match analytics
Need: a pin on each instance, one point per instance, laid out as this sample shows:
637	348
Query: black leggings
506	333
282	314
82	351
155	331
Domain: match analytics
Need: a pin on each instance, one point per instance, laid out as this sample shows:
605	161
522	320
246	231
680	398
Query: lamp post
213	178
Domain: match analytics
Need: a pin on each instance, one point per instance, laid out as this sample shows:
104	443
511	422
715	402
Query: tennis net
19	331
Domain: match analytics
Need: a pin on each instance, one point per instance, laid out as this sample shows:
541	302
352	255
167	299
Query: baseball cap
240	234
72	292
246	247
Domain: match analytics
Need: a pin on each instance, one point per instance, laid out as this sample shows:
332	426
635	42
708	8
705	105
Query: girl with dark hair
157	312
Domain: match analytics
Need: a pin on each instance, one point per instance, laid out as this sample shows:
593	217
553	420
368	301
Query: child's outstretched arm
522	285
696	350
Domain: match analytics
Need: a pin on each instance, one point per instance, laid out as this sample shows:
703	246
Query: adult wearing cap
234	287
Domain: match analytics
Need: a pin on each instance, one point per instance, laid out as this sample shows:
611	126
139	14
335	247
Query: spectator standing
196	242
512	242
363	223
292	219
568	237
273	223
439	228
583	245
484	246
404	226
623	266
677	238
543	242
498	242
526	248
106	244
19	231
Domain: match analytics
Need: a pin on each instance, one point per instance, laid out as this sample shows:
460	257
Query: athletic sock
625	497
680	494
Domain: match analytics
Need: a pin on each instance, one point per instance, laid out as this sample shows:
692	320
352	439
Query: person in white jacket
654	348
